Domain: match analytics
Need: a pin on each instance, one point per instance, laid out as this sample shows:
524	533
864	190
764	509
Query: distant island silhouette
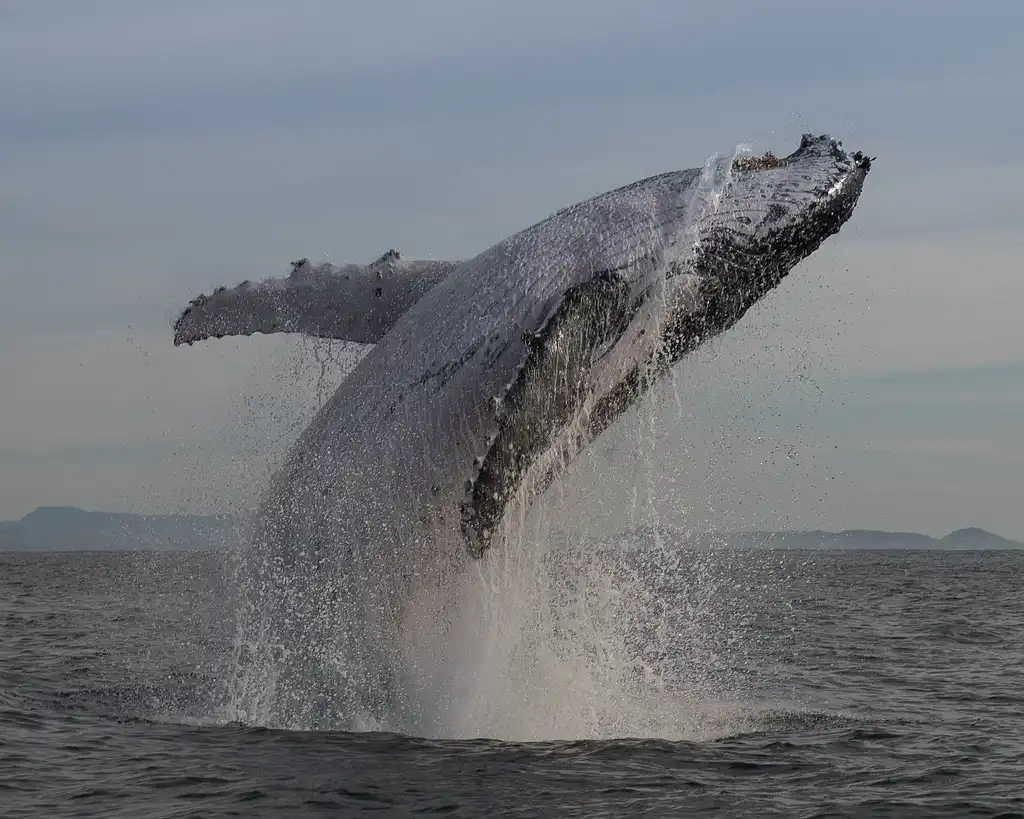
968	539
67	528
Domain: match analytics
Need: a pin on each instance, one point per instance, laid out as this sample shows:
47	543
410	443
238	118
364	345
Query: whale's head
724	237
753	224
797	200
745	223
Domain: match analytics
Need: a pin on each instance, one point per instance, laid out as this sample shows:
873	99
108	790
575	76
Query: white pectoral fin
357	303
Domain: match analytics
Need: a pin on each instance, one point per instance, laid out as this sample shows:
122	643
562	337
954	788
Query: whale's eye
757	163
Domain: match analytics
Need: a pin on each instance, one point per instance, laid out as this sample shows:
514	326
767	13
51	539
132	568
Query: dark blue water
868	684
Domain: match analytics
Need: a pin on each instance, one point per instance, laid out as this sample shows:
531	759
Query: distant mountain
67	528
962	539
975	538
972	539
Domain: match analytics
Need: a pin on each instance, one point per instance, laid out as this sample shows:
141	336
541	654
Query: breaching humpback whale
487	376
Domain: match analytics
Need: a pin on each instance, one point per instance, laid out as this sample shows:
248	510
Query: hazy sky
153	150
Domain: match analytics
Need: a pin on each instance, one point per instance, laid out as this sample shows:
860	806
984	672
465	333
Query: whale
486	377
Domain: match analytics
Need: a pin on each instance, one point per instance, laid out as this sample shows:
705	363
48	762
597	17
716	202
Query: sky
153	150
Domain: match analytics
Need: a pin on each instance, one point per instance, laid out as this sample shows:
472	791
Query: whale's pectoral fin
552	387
358	303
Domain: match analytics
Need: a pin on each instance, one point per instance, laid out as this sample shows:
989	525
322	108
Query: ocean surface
798	683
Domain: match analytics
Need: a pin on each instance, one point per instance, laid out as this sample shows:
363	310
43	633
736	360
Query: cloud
160	68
